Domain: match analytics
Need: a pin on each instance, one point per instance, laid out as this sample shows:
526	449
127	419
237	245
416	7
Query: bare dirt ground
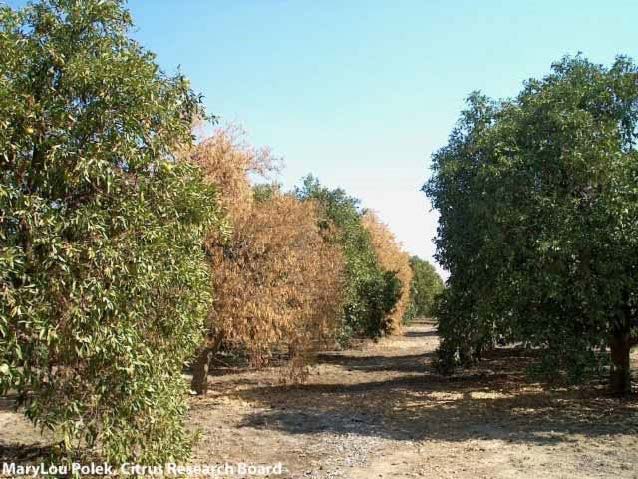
382	412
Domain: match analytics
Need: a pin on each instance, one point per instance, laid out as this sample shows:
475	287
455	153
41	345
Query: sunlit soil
382	411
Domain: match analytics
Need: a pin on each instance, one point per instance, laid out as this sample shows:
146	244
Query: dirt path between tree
382	412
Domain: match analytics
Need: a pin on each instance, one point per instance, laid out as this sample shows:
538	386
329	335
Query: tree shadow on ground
421	334
495	400
24	444
408	363
24	453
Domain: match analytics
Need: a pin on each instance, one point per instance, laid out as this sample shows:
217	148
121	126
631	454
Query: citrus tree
371	293
277	280
103	284
539	220
425	288
393	258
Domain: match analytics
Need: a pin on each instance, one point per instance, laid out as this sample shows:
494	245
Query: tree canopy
391	258
539	206
277	279
371	293
103	284
425	288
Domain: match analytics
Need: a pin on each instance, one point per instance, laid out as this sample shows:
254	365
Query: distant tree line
425	289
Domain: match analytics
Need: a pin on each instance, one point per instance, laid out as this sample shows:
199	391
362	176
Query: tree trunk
199	383
620	374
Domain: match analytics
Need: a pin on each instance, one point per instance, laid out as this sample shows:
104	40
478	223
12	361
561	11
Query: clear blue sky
361	93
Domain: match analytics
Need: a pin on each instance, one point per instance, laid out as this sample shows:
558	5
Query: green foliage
103	285
539	218
426	286
371	293
266	191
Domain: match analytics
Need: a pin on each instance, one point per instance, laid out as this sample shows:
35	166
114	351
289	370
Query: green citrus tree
539	220
425	288
103	283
